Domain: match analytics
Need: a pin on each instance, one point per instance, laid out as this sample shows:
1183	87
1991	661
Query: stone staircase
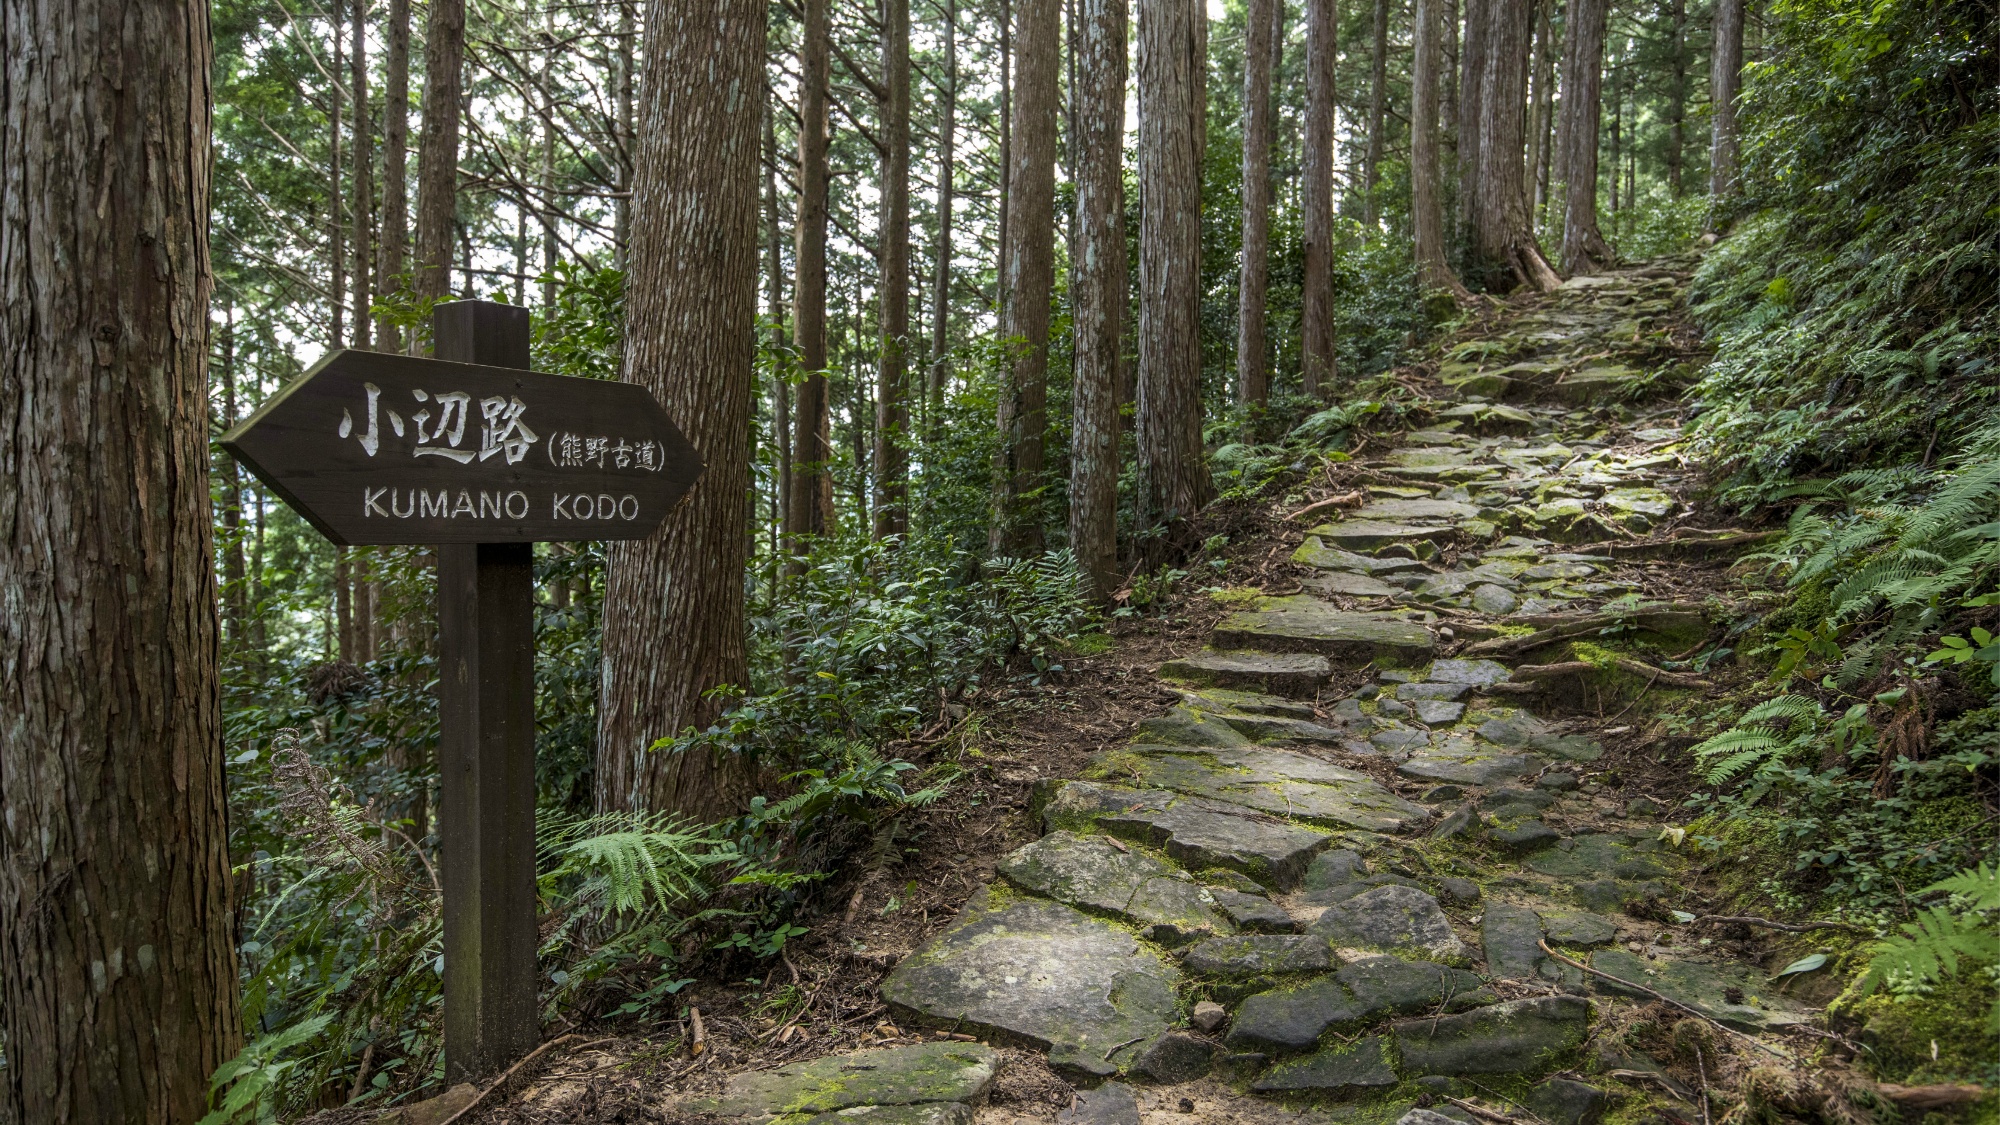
1309	895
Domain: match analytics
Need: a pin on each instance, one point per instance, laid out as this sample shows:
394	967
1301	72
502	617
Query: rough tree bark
1676	96
1173	481
437	151
1029	277
1725	76
1378	95
118	988
892	410
1540	101
1317	362
811	502
947	173
1098	290
1253	352
336	292
393	247
774	285
673	622
1471	101
364	167
621	221
1426	176
1504	238
1584	249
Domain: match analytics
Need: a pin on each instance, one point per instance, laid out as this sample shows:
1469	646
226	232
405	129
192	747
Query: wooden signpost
474	453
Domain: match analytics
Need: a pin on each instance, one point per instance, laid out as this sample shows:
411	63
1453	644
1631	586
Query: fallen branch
1344	500
1931	1097
511	1071
1657	618
1788	927
1664	999
1481	1111
1529	672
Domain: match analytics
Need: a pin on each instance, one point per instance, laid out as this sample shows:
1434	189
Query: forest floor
1374	812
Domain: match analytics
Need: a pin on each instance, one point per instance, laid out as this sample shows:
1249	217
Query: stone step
1279	782
1305	624
1299	675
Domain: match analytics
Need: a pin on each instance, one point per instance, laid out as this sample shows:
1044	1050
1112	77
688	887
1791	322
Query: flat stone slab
1342	584
1110	1104
1193	832
1392	511
1367	535
1576	929
1705	987
1295	674
1292	1018
1042	974
929	1113
1339	1071
1273	781
1468	761
1392	919
1521	1036
1089	873
1306	624
1478	673
1316	553
1596	855
1258	955
1254	913
894	1077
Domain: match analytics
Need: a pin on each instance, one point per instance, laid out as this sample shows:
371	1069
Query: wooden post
486	756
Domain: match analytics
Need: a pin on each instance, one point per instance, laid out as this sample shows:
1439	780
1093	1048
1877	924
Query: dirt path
1373	826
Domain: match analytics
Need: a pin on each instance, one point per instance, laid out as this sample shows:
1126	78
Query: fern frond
1979	884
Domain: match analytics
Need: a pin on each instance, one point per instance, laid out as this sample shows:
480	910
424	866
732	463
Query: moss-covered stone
1274	781
897	1076
1295	674
1089	873
1393	919
1731	994
1192	831
1518	1037
1339	1071
1306	624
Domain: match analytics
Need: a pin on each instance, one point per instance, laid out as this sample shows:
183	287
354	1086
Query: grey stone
1367	535
1333	869
1437	712
1467	761
1509	801
1042	973
1560	1101
1392	707
1088	872
1577	930
1450	693
1296	674
1509	935
1305	624
1274	781
1438	794
1595	854
1391	985
1208	1015
1513	729
1392	919
1520	837
1316	553
1520	1036
1222	878
1191	831
1292	1017
1399	742
1253	912
1340	583
1644	806
1278	728
1478	673
1462	892
1439	511
1176	1057
1425	1117
1253	955
1704	987
928	1113
1110	1104
1342	1070
1556	782
1188	726
1328	896
896	1076
1493	599
1458	823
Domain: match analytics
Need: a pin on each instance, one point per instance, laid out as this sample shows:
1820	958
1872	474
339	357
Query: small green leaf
1804	964
1682	916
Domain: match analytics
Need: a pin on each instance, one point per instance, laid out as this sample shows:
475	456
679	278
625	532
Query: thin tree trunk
1725	76
1173	481
1617	139
1378	94
551	246
364	178
947	171
1504	237
621	228
892	410
811	511
781	388
1006	151
1426	177
233	573
437	155
1253	353
343	606
336	292
1029	257
674	603
393	248
1098	290
1449	72
1316	197
118	981
1539	101
1677	83
1471	104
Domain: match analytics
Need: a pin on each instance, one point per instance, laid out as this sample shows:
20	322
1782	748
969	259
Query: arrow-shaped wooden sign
380	448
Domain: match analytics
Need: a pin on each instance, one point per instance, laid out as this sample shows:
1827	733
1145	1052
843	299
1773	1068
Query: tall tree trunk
437	155
781	388
1006	151
233	572
1725	77
811	511
118	985
892	410
393	248
551	245
1472	62
947	172
343	606
1029	257
1539	101
1098	290
1426	176
1173	481
1253	353
1318	362
1677	82
336	293
1505	239
1378	94
673	621
621	229
364	168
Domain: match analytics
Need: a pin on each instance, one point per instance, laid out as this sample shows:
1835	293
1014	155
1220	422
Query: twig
1701	1068
1340	501
1664	999
699	1043
1788	927
1121	1046
1480	1111
509	1073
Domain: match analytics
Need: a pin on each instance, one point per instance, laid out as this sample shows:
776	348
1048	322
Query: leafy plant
1768	734
245	1087
1940	941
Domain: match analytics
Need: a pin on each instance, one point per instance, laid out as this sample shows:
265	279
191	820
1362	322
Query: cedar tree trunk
1098	290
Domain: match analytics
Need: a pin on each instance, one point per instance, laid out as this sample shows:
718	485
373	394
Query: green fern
1771	732
1939	941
